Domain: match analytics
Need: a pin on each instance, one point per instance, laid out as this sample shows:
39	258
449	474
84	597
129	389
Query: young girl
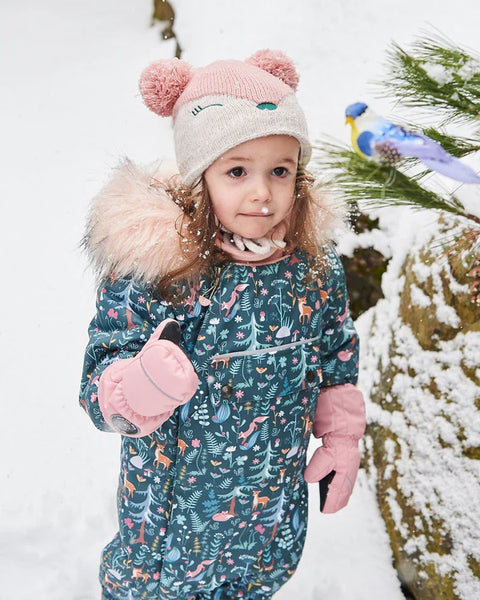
221	320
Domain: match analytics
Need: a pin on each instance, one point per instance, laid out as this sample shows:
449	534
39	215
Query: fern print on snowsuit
222	340
215	499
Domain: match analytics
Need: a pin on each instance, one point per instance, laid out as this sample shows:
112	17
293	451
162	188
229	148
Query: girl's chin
255	231
254	234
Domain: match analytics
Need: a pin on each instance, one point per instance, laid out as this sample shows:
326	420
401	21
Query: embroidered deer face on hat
224	104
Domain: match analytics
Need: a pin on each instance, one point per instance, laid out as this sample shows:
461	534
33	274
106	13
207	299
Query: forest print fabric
213	505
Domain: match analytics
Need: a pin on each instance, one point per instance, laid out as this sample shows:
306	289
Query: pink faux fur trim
131	228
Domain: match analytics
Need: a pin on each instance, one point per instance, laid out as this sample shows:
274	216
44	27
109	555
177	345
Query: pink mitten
340	421
136	395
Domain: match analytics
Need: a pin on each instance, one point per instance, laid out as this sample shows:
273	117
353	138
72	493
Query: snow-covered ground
69	109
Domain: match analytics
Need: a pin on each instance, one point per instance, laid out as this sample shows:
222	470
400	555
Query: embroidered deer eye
199	108
267	106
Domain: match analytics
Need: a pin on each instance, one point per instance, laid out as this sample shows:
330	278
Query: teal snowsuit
213	505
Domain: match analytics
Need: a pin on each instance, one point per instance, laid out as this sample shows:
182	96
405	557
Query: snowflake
239	394
141	300
314	358
268	338
230	561
288	274
264	291
192	479
240	335
255	461
294	360
156	479
238	319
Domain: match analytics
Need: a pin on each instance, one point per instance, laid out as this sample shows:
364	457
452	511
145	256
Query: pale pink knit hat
229	102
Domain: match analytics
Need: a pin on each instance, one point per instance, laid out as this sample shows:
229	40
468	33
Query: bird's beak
349	120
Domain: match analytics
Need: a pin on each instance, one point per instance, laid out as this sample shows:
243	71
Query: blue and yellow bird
376	138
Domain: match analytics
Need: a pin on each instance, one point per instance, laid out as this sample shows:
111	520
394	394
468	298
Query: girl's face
252	185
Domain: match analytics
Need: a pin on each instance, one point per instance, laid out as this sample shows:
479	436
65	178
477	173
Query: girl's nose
261	191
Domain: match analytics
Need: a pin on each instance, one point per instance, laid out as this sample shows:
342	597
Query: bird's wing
366	142
428	151
414	144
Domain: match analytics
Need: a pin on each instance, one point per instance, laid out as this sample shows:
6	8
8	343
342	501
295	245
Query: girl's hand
340	421
138	394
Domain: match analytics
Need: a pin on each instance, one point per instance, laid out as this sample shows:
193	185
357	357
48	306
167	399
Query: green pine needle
435	74
365	182
454	145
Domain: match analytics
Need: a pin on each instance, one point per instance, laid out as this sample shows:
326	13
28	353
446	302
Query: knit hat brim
205	130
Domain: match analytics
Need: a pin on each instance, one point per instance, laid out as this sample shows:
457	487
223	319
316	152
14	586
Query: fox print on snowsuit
213	504
217	392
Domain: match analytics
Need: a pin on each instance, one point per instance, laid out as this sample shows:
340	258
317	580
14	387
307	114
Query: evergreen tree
441	81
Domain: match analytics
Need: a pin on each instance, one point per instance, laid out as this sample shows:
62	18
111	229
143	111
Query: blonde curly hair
198	228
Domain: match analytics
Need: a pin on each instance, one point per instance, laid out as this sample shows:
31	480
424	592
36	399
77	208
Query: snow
70	110
438	73
427	426
418	297
443	75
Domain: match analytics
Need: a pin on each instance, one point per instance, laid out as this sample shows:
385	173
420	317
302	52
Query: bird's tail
435	157
453	168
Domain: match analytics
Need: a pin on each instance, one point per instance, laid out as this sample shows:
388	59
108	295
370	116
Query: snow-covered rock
422	367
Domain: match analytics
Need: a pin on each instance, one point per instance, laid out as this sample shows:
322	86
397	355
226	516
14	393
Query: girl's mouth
263	213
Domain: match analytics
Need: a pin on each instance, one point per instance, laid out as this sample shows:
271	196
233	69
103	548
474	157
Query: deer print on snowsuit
218	489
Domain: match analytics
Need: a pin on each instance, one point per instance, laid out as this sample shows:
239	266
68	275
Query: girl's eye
279	171
236	172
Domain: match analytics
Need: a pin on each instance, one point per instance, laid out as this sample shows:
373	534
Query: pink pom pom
161	84
276	63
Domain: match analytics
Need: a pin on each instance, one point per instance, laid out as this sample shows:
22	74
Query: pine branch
457	146
435	74
363	181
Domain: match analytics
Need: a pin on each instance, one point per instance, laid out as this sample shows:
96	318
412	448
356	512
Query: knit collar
252	249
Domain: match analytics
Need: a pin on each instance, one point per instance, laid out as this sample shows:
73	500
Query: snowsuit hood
133	223
213	504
